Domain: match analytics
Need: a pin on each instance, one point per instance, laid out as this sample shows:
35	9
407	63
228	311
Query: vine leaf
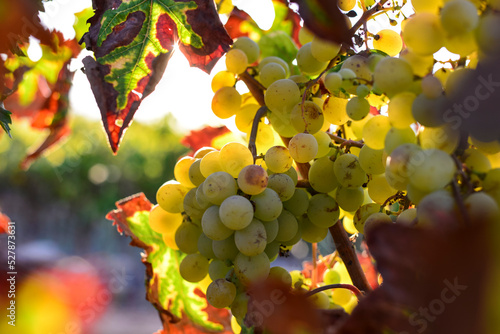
325	20
4	223
133	42
5	119
197	139
182	306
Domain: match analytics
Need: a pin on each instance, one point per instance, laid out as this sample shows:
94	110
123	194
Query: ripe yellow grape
392	76
324	50
273	59
270	73
282	95
244	117
222	79
443	137
346	5
375	130
379	189
201	152
428	6
423	34
234	156
249	47
307	117
181	171
226	102
388	41
459	17
399	110
307	63
210	164
462	44
334	110
305	36
303	147
265	137
236	61
164	222
170	196
278	159
360	66
421	65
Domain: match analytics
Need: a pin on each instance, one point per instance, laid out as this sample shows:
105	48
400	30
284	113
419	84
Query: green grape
341	297
226	102
399	110
245	116
223	79
202	200
201	152
350	199
298	279
287	226
491	147
283	185
273	59
239	307
292	173
307	117
272	250
225	249
210	164
324	142
421	65
348	171
398	169
212	225
268	205
349	80
249	47
321	177
181	171
459	17
434	208
357	127
281	275
397	137
434	169
346	5
221	293
487	36
170	196
306	61
393	75
320	300
324	50
251	240
463	44
236	61
278	159
162	221
236	212
375	131
205	246
303	147
414	194
379	189
272	228
429	6
193	267
270	73
295	239
234	156
388	41
371	161
482	207
357	108
253	179
311	232
282	95
334	110
407	216
195	174
431	87
429	112
333	82
331	276
218	269
323	211
362	214
219	186
186	237
305	36
299	202
376	219
476	161
282	123
359	66
251	269
491	184
423	34
362	91
191	206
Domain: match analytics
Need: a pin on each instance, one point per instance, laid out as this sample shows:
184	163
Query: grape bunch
353	138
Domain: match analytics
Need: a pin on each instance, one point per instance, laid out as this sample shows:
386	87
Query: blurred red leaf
197	139
325	20
234	23
4	223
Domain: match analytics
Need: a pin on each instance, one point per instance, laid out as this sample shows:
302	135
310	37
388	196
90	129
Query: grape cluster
369	134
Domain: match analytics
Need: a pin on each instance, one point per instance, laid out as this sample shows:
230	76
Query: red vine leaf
197	139
325	20
240	23
133	42
4	223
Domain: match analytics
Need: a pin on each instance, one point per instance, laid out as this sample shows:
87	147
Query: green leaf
181	304
5	119
133	42
279	44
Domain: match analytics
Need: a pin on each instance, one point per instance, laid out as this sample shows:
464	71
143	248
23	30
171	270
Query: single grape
357	108
212	225
236	212
225	249
348	171
324	50
334	110
273	59
433	170
218	269
282	95
396	137
323	210
205	246
268	205
239	307
459	17
245	116
287	226
393	75
429	112
379	189
249	47
283	185
362	214
186	237
388	41
346	5
407	217
307	63
324	143
221	293
193	267
170	196
236	61
164	222
376	219
272	228
252	179
226	102
371	161
423	34
222	79
251	240
281	275
350	199
234	156
311	232
299	202
219	186
375	131
195	175
210	163
482	207
307	117
251	269
436	209
331	276
191	206
400	110
278	159
333	82
270	73
303	147
321	177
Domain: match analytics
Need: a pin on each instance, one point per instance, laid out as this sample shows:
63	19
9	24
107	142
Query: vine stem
348	255
253	134
366	16
354	289
345	142
314	276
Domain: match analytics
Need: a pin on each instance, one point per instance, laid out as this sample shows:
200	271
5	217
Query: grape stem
253	134
314	276
347	253
303	184
366	16
355	290
345	142
255	87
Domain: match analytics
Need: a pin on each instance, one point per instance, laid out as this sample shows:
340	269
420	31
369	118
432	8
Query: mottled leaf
182	306
324	19
5	119
278	43
240	24
132	43
197	139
